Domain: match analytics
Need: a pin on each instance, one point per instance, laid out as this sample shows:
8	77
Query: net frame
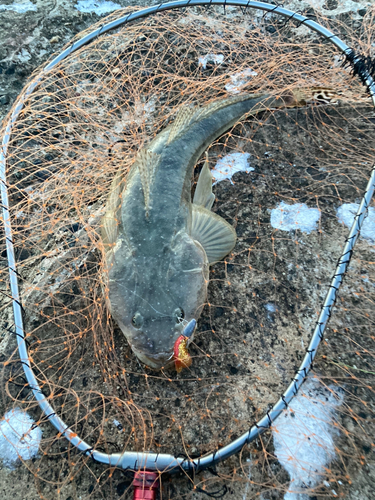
165	462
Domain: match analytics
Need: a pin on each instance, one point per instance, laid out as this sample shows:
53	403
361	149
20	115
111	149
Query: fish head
155	295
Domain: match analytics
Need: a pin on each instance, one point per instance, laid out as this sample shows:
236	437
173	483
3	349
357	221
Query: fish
159	241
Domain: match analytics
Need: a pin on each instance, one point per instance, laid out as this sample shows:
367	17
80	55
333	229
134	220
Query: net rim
150	460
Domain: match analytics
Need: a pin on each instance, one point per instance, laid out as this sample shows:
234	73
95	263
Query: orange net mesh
287	180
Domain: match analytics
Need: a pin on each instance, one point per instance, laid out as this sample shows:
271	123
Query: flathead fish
159	242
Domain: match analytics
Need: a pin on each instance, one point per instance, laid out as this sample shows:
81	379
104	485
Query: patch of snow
149	106
343	6
212	58
227	166
24	55
84	87
248	460
270	307
346	214
99	7
298	216
240	79
138	114
19	7
366	279
304	434
18	439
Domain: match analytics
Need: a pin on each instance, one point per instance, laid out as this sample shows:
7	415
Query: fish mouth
179	358
157	362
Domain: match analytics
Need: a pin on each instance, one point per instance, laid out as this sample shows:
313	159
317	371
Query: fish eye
179	314
137	320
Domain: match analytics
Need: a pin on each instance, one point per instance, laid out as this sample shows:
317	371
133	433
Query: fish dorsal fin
147	163
209	109
188	114
203	195
182	120
216	236
110	222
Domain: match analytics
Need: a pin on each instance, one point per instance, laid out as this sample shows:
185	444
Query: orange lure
181	356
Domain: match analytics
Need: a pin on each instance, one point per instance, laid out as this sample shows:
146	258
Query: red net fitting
145	484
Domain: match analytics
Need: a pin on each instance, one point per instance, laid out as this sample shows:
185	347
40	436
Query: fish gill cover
86	120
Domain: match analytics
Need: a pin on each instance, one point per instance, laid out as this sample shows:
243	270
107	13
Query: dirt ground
273	300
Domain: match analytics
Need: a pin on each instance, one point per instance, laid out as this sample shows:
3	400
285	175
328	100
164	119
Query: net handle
165	462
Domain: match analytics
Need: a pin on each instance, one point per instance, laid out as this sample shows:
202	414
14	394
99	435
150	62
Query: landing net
289	181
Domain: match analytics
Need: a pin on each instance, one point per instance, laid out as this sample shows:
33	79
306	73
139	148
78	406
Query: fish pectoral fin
203	195
216	236
182	120
110	222
147	163
109	229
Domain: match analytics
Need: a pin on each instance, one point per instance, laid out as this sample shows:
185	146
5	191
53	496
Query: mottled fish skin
159	243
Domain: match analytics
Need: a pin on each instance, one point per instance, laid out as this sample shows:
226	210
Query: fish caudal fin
147	163
203	195
216	236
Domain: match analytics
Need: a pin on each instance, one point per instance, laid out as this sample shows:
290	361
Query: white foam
227	166
19	7
99	7
238	80
17	437
212	58
346	214
303	436
298	216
